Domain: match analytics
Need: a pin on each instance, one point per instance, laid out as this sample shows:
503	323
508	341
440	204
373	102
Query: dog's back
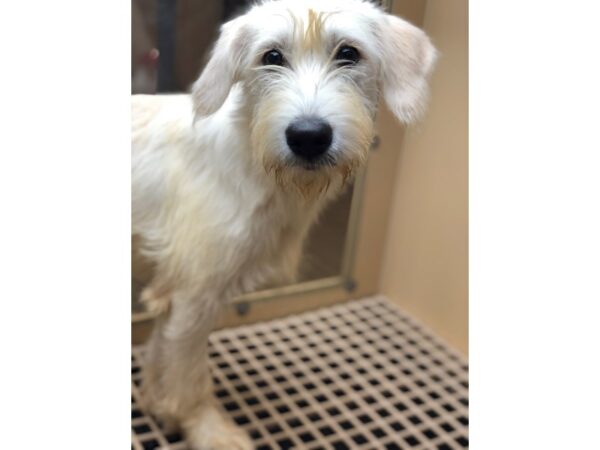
159	123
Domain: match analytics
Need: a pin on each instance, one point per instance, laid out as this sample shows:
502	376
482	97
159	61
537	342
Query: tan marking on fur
346	172
309	35
154	303
313	32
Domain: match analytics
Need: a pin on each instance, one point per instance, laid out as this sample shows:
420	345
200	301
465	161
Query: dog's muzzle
309	137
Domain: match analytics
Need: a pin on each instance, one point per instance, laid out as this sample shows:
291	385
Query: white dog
227	181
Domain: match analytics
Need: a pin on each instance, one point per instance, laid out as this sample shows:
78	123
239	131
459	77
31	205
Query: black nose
309	137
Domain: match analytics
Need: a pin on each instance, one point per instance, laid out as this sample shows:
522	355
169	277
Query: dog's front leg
178	383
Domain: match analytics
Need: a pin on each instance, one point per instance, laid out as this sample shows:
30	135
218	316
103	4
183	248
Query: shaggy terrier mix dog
228	180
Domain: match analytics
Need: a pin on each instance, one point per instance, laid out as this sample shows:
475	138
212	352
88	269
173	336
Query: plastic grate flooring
362	375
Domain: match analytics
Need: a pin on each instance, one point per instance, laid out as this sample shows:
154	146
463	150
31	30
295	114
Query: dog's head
311	72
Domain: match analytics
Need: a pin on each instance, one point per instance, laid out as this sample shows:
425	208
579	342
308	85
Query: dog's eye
273	58
347	55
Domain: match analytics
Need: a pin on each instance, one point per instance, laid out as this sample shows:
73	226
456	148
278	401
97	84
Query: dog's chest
265	233
243	233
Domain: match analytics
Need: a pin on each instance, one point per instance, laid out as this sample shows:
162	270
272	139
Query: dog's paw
155	304
210	430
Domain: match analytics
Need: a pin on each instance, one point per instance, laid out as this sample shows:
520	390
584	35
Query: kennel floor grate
362	375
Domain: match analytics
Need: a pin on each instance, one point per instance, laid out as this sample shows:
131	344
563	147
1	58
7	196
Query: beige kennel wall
425	266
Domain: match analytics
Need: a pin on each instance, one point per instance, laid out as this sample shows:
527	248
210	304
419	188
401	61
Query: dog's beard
320	162
310	179
329	172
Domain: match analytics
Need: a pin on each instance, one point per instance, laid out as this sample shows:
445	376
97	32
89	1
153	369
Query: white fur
220	203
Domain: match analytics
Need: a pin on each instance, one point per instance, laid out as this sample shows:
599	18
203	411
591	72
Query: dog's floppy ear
408	60
223	68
